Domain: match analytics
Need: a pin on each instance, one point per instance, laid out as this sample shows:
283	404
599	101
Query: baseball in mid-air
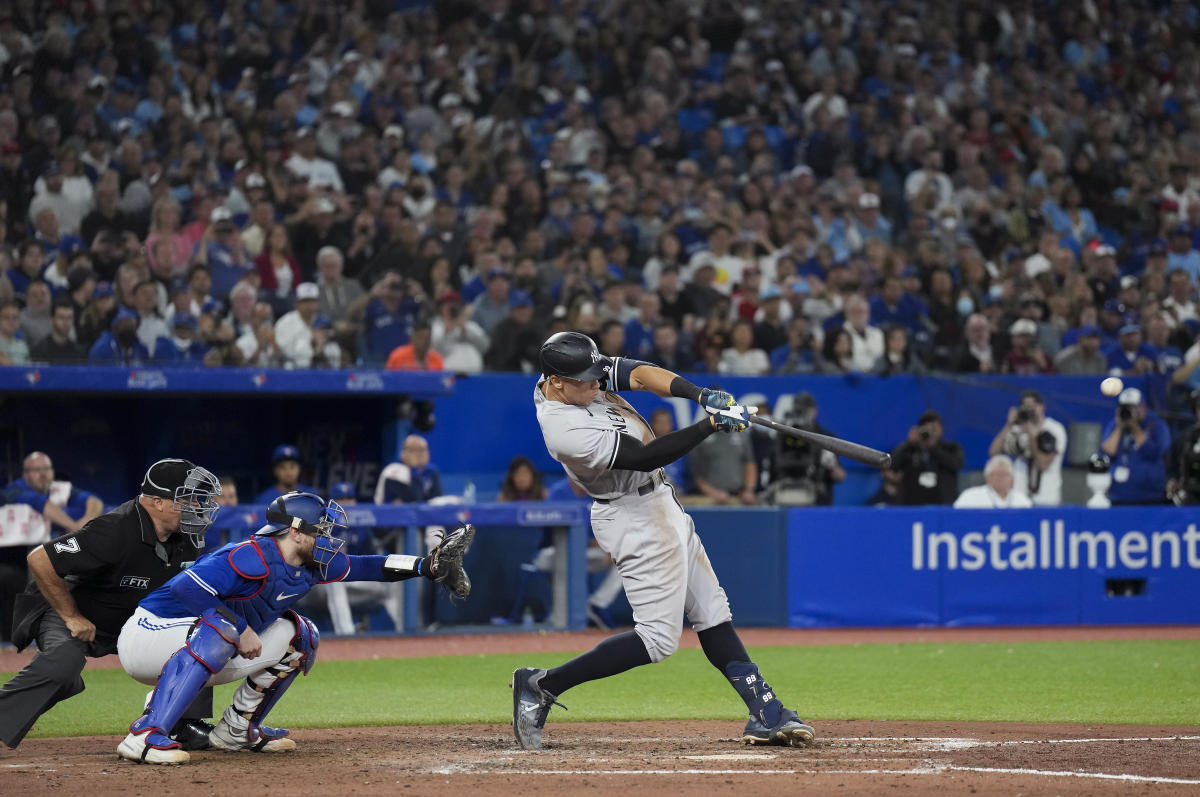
1111	386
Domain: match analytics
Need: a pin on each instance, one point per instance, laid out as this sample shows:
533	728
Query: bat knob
885	462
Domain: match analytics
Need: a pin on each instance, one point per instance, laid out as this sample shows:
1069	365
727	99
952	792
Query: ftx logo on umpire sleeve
69	545
137	582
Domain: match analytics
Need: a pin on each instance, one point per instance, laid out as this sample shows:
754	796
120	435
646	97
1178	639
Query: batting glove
731	420
715	400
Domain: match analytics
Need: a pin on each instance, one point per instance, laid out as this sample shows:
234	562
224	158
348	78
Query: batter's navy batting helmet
573	355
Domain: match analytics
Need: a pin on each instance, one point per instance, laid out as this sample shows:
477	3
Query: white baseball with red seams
664	568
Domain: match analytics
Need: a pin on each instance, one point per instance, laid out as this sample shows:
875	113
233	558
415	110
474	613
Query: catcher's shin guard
206	651
241	726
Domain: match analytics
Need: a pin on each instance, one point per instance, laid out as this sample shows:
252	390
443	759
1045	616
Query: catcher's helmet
310	514
573	355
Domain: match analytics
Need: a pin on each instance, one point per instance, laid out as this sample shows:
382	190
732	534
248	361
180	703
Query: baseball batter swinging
605	446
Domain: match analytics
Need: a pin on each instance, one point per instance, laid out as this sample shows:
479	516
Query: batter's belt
656	479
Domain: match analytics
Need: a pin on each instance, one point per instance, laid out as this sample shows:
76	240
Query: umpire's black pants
54	675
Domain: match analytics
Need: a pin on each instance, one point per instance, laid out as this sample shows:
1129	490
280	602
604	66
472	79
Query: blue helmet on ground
309	514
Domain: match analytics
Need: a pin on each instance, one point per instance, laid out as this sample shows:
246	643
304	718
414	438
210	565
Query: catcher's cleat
790	731
260	739
192	734
531	706
151	747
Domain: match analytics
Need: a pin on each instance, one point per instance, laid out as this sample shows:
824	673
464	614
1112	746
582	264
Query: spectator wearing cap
285	468
1130	356
35	317
120	344
316	227
1136	441
491	307
417	355
1165	357
456	336
797	355
894	305
151	325
771	320
389	317
294	329
68	194
13	348
60	347
278	270
869	222
1182	256
306	163
1083	358
1025	356
1113	316
96	316
182	348
222	251
517	339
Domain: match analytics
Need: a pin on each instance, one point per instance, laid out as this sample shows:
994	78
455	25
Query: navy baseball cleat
790	731
531	706
192	734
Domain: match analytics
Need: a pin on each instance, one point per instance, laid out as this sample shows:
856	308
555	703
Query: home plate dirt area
850	756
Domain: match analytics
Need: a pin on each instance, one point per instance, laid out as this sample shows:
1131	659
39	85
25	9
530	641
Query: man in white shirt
305	162
866	339
997	492
1037	444
294	330
729	267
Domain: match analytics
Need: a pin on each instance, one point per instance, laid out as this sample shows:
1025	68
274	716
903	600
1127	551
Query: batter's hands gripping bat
843	448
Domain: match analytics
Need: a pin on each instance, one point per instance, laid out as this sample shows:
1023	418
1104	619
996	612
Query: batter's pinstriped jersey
584	440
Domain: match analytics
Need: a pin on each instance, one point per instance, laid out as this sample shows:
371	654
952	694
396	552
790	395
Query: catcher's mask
309	514
192	490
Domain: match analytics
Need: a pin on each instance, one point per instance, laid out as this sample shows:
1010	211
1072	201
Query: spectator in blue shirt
222	250
1136	442
285	466
120	344
388	320
870	223
1130	356
1181	254
182	348
639	330
796	356
894	306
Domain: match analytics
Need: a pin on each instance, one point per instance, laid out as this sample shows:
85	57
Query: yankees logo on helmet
573	355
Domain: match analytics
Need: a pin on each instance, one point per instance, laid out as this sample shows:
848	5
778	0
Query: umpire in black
88	583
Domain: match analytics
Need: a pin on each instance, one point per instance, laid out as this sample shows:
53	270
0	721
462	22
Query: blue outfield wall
941	566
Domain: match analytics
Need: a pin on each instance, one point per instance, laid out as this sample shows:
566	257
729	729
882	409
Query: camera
1024	414
924	433
1124	413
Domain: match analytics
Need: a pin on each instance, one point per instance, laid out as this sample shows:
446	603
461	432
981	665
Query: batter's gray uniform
637	520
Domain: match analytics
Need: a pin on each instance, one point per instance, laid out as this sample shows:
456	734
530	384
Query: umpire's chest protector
271	584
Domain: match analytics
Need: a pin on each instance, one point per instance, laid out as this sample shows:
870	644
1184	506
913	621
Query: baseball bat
843	448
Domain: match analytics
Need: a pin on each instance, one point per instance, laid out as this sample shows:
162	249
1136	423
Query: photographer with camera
928	465
1183	464
1136	441
1037	445
803	475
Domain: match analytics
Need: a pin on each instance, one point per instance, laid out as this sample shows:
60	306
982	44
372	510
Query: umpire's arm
54	588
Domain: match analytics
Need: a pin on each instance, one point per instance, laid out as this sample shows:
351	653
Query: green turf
1096	682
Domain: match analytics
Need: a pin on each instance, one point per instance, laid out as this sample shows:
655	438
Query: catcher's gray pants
663	567
54	676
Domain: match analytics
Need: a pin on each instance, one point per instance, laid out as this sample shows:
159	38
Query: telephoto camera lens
1125	413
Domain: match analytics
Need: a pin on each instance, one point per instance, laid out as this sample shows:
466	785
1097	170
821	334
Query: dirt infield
851	757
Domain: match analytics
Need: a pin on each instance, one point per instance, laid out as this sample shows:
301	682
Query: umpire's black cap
573	355
166	476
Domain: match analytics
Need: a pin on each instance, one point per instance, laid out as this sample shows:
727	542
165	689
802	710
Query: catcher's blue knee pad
214	640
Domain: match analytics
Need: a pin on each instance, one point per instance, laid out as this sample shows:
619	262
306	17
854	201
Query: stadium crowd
770	187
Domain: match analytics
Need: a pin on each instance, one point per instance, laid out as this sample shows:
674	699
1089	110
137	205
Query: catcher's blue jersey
250	578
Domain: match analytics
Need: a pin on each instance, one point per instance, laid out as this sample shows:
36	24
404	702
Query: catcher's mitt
446	561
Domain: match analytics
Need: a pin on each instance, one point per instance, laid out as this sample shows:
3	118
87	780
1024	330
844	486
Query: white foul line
1097	775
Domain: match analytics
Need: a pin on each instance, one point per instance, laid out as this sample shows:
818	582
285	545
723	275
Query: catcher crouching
228	618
